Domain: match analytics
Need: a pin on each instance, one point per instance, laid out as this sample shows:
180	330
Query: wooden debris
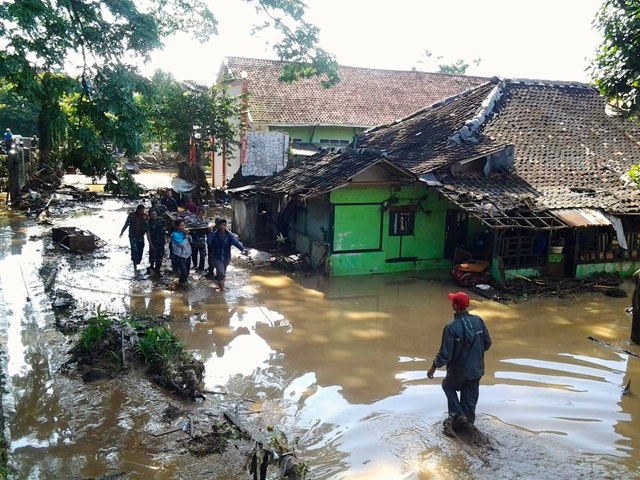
613	347
562	287
167	432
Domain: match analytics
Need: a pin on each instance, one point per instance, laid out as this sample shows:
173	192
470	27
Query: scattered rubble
527	288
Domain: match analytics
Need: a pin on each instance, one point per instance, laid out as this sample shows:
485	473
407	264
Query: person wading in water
464	342
138	226
156	237
181	246
219	242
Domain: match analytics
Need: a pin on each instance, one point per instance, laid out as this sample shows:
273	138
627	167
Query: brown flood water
340	363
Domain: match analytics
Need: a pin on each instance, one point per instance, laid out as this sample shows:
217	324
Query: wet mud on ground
340	364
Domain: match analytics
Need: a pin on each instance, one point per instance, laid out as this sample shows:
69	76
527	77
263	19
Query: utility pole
635	322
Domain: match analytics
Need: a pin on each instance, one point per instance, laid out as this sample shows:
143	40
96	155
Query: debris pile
75	239
526	288
108	345
194	175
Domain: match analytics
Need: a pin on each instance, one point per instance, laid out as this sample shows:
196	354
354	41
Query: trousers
137	248
469	393
198	250
184	265
156	255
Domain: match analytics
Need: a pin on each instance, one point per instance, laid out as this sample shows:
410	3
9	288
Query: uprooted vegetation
523	288
109	344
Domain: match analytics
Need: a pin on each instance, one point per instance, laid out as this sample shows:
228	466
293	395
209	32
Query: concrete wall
267	153
223	170
624	269
309	229
356	228
244	219
305	133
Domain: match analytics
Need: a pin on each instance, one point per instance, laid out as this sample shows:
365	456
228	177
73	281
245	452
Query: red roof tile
364	97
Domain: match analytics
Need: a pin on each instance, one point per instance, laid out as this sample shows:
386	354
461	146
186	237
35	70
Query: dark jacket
220	245
137	225
169	203
464	342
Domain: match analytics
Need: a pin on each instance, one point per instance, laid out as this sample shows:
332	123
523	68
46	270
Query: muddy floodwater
339	363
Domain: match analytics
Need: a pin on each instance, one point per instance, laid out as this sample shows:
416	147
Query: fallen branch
613	347
167	432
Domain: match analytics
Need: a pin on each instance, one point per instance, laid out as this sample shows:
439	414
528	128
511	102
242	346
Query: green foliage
16	112
616	67
104	107
180	111
634	174
124	184
157	346
96	330
459	67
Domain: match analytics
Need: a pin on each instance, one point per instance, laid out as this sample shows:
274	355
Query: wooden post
635	301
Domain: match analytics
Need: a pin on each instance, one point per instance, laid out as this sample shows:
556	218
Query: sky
541	39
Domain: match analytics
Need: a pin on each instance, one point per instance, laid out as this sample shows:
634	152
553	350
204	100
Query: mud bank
337	363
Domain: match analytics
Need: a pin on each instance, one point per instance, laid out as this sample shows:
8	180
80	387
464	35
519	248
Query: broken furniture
75	239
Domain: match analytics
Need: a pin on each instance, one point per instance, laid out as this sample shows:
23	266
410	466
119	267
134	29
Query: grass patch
96	330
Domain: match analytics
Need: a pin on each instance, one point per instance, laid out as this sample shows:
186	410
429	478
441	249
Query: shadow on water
340	363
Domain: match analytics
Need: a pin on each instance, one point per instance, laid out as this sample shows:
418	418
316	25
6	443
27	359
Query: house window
601	245
334	141
401	223
526	249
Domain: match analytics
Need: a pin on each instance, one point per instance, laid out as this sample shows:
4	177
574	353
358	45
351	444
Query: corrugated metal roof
582	217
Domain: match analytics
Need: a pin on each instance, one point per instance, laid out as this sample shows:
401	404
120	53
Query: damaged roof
364	97
570	152
327	171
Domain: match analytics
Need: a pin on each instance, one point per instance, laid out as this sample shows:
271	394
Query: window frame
397	212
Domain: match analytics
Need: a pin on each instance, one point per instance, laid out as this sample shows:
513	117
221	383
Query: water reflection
339	362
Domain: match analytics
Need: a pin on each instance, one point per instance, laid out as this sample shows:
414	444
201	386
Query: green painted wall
426	245
624	269
304	133
522	272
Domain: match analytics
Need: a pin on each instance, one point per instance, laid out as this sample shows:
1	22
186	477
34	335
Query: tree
616	67
616	72
16	112
185	112
459	67
40	36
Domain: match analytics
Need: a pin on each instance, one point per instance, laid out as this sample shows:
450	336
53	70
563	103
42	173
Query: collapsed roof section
508	152
332	169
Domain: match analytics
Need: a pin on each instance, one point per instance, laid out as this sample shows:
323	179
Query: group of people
185	247
464	340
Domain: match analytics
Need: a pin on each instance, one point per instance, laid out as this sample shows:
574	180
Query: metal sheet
581	217
617	225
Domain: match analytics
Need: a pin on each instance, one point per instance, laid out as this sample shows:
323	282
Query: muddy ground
338	364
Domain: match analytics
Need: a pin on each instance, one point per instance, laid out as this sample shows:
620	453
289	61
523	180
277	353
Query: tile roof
325	171
364	97
420	142
569	152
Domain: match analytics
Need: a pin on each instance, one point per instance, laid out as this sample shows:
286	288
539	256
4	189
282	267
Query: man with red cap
464	342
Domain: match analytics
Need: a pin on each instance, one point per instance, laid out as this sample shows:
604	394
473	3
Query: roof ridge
547	83
433	106
418	72
465	134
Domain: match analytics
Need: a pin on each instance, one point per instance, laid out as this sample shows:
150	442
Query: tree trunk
635	322
44	135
